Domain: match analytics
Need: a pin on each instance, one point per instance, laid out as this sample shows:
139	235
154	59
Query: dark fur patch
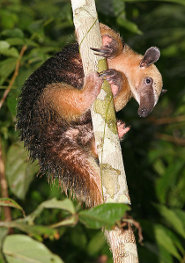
62	148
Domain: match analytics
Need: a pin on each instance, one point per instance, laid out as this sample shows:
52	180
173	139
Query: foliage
153	150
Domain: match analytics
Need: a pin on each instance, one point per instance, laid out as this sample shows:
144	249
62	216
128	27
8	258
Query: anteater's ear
151	56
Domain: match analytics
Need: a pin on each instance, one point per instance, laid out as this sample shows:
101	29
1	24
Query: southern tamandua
53	115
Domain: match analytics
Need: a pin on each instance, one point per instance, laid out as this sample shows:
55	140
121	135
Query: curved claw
105	52
111	75
114	78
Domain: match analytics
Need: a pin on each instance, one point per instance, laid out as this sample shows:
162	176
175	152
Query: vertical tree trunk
114	185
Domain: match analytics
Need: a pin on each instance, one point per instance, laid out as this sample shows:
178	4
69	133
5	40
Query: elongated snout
143	112
147	102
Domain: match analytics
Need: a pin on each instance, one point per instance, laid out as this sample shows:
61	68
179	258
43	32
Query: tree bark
114	185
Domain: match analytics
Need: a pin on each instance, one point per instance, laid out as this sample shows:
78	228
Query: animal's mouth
143	112
147	103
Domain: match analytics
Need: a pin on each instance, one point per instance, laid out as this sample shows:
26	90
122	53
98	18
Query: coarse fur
54	117
61	146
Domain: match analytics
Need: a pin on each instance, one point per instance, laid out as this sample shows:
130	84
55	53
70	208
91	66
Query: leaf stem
15	74
4	185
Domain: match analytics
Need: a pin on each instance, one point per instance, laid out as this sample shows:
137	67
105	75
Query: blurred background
153	150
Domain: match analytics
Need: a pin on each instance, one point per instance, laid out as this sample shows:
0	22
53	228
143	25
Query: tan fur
76	102
124	95
105	30
128	63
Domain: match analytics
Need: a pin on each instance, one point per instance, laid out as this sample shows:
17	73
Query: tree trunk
114	185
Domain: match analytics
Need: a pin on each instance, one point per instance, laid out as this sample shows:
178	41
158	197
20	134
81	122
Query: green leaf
168	180
37	28
11	203
181	215
175	1
114	8
37	231
155	253
96	243
118	6
7	66
66	204
162	236
19	82
6	50
173	219
4	45
24	249
177	242
124	22
164	255
19	171
10	52
15	41
13	33
3	234
8	18
40	54
176	197
103	215
78	237
12	101
159	166
172	1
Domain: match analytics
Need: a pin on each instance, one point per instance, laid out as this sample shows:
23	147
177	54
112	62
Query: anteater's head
146	82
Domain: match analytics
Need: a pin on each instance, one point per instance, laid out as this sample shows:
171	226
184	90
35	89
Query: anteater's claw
105	52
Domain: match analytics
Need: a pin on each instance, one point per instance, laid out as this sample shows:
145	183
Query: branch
4	185
15	74
167	120
113	177
170	138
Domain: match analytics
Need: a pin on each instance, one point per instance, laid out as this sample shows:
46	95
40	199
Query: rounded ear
151	56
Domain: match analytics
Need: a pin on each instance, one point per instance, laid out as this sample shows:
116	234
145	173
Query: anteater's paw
109	48
122	129
114	78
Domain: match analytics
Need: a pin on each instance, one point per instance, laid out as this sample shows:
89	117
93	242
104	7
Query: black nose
143	112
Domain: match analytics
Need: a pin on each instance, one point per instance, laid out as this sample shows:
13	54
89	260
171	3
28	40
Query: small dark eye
148	81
